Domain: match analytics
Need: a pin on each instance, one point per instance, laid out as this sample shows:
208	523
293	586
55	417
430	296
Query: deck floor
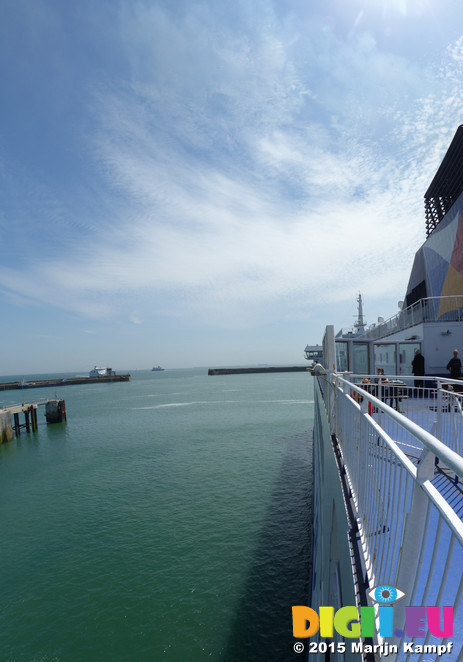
423	411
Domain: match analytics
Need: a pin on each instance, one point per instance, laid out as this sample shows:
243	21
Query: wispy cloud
239	161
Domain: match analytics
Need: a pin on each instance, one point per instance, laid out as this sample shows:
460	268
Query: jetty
263	369
69	381
55	412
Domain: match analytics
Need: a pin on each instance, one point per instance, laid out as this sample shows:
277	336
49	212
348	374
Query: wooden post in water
16	424
35	425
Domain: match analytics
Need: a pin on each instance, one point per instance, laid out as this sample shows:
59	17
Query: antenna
360	324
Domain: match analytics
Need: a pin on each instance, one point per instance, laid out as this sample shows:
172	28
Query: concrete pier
55	412
70	381
263	369
6	429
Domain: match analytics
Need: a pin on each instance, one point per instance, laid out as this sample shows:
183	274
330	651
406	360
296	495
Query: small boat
157	369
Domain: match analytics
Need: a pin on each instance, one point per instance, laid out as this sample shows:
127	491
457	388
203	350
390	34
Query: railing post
329	350
440	408
412	535
362	450
334	395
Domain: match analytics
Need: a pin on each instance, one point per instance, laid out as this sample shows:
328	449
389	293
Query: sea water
167	520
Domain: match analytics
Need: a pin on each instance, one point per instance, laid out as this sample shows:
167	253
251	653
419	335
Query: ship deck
402	459
443	420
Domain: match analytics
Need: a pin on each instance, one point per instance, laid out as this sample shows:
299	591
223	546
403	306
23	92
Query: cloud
135	318
235	170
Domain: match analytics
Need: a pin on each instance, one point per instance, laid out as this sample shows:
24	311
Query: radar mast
360	324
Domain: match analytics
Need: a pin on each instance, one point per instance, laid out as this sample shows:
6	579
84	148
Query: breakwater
70	381
245	371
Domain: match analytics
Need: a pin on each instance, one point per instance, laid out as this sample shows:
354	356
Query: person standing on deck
418	369
454	365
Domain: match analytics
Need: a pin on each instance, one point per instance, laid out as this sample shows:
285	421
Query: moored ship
101	372
388	465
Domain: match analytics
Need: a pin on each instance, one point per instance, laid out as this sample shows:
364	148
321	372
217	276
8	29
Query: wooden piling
34	418
17	427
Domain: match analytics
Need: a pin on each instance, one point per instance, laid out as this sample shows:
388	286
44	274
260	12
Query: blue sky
211	183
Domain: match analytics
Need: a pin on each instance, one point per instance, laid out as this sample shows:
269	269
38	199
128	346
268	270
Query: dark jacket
418	364
454	365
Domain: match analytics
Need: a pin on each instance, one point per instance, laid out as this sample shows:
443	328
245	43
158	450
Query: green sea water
167	520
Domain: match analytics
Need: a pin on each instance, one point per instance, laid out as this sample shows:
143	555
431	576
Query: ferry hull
332	578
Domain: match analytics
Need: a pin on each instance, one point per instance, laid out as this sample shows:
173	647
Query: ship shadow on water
279	573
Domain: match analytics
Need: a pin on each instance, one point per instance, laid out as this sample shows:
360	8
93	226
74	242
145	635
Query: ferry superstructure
431	314
388	465
100	372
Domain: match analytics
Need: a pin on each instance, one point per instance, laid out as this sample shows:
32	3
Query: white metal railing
436	407
430	309
408	511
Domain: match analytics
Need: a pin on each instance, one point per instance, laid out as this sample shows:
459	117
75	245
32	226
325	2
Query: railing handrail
404	378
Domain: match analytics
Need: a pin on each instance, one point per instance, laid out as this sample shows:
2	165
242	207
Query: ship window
407	354
342	362
385	357
361	364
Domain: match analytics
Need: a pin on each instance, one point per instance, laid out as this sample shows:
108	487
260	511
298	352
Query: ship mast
360	324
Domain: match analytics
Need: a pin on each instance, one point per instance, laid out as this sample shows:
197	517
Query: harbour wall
245	371
70	381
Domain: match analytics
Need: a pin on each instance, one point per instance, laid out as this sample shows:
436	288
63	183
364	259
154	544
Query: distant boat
157	369
100	372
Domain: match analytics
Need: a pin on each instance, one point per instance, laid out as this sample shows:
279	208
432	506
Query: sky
207	183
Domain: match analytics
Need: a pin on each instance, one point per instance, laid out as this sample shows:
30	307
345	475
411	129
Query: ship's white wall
438	340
